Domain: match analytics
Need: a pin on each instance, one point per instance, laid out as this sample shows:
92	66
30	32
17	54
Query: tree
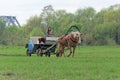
46	15
107	26
2	26
85	16
33	22
100	28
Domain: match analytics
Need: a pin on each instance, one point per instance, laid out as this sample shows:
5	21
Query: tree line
98	28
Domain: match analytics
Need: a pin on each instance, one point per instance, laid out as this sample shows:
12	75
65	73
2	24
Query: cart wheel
39	52
28	52
47	53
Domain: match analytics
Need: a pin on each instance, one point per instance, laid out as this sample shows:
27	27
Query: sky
24	9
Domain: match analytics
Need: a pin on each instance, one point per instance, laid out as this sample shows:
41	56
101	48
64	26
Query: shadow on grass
11	55
8	74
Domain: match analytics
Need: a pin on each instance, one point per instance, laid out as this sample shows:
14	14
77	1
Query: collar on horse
73	39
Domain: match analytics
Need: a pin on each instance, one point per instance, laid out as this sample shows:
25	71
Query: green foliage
36	32
12	36
33	22
98	28
47	16
104	32
85	16
2	25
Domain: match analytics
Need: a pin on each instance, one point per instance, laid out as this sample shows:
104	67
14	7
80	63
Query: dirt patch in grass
8	74
11	55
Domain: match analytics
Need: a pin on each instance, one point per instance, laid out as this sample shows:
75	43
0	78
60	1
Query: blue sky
23	9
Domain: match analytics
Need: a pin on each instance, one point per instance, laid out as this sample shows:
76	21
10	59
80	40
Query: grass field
89	63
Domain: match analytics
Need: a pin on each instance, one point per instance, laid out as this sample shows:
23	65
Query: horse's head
78	36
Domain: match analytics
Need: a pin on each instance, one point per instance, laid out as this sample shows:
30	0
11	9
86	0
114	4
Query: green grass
89	63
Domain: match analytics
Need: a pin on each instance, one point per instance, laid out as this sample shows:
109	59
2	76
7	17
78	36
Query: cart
41	46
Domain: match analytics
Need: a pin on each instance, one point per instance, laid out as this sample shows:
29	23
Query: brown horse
70	41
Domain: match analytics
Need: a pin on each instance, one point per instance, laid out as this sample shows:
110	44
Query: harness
66	38
73	39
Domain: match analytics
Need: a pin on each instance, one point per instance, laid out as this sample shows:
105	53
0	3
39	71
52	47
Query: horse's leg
70	52
60	53
69	46
73	51
58	50
57	53
61	50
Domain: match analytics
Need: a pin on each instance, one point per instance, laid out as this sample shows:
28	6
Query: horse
71	41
